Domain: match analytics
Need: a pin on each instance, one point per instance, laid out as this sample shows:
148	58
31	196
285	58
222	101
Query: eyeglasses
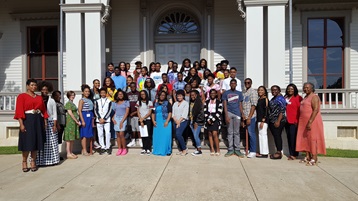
247	82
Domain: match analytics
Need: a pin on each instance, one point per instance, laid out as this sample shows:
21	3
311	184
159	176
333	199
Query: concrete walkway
135	177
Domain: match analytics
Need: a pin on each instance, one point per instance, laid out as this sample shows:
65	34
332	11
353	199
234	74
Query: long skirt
49	155
34	137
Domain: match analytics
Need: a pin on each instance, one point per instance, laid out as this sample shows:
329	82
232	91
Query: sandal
305	160
311	163
25	169
276	155
217	154
34	168
212	153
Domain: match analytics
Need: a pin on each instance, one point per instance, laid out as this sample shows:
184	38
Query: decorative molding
325	6
83	7
210	6
107	13
143	7
265	2
35	16
240	8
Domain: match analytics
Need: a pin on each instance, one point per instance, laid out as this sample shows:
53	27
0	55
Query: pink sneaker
124	152
119	152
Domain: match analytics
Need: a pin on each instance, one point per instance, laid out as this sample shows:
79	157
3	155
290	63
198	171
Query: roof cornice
265	2
325	6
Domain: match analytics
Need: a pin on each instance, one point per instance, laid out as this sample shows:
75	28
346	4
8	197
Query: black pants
291	131
147	141
60	133
277	134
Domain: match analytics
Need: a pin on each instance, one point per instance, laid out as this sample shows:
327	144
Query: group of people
154	107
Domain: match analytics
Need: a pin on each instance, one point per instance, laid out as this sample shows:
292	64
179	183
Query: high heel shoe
25	169
34	168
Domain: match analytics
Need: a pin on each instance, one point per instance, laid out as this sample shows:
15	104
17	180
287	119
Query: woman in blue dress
162	133
85	110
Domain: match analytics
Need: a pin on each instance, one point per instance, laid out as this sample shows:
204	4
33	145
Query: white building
254	35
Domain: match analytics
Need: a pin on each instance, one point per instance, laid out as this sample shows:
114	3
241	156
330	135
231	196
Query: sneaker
131	144
251	155
119	152
142	152
96	145
140	143
148	153
197	153
229	153
124	152
239	154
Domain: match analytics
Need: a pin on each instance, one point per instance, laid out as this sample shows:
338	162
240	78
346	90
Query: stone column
254	45
95	44
276	45
74	50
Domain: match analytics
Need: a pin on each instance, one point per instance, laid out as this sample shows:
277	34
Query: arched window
177	22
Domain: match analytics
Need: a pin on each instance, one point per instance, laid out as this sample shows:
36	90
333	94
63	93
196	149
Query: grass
330	152
9	150
341	153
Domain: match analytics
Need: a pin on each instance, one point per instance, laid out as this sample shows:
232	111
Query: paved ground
136	177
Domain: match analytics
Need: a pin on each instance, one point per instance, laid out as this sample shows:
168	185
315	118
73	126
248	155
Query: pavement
136	177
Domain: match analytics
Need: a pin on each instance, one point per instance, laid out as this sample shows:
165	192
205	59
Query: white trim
35	16
83	7
264	2
326	6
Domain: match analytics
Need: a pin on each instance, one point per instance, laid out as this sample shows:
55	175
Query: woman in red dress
31	113
310	135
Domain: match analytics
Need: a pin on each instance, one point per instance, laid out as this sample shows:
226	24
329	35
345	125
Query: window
326	52
177	23
42	54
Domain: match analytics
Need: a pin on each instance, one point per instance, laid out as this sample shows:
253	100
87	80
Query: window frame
346	14
42	53
324	47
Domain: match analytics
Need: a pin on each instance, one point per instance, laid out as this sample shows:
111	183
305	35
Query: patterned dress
71	130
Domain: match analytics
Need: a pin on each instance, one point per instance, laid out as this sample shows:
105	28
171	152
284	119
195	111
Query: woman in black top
262	121
193	75
197	119
213	111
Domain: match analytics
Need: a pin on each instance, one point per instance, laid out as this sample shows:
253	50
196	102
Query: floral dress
71	130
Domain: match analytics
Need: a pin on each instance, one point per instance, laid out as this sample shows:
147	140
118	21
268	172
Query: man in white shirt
226	83
157	75
102	110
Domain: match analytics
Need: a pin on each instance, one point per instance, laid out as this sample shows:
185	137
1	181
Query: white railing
338	98
330	99
8	101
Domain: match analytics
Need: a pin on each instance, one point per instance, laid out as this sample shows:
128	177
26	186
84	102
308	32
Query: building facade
254	35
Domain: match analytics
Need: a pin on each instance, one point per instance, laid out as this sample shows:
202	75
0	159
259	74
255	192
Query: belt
33	111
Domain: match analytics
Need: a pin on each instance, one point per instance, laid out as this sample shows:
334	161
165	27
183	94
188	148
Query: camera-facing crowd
149	108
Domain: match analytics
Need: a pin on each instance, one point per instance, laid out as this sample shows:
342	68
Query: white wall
229	35
297	49
125	31
354	50
10	52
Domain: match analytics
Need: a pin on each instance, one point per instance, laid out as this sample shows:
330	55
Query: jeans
277	134
252	133
291	131
147	141
233	135
179	134
196	133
